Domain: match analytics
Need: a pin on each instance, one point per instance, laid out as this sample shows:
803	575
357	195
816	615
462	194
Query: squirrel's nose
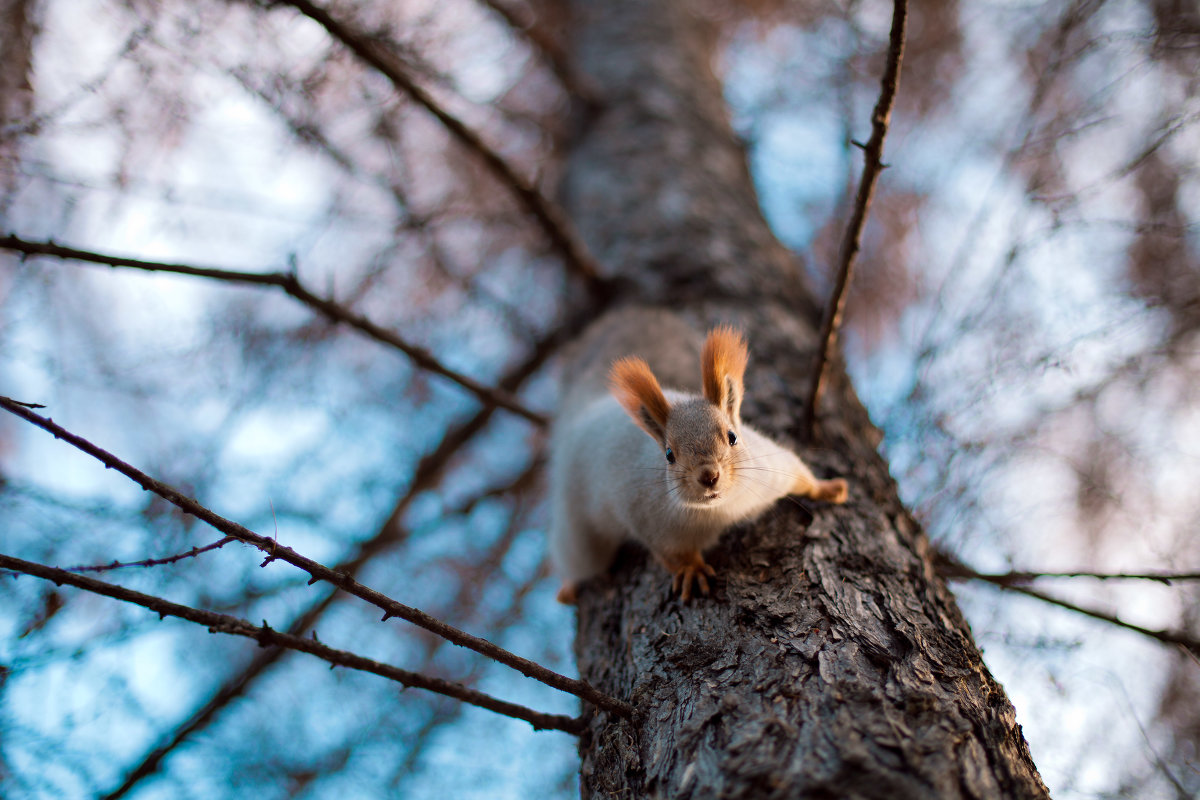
709	477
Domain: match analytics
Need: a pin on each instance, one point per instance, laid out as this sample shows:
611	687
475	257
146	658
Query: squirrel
667	468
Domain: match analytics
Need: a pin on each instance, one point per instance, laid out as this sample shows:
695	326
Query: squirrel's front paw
686	569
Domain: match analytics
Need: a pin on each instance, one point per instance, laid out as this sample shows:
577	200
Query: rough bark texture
830	660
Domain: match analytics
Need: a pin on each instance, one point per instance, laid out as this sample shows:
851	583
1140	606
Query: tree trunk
19	28
830	659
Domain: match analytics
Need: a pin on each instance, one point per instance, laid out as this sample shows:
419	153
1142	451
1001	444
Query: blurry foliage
1024	326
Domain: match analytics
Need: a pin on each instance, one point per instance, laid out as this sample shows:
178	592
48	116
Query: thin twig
1163	766
852	239
265	635
320	572
957	570
290	284
28	405
553	222
1165	636
1021	577
154	562
1043	90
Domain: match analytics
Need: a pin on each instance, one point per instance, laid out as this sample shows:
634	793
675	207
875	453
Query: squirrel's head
698	436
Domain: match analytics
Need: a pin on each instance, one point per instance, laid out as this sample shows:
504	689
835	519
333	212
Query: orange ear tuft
637	390
722	365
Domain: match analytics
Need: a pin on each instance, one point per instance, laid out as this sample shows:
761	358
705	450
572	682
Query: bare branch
238	684
319	572
957	570
429	472
27	405
1182	639
265	635
1059	60
154	562
553	222
291	285
852	239
432	466
1017	577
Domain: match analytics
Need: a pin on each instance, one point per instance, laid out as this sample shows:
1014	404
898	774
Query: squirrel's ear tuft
722	365
637	390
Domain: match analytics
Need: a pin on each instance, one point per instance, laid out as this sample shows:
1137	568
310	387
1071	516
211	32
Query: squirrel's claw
688	569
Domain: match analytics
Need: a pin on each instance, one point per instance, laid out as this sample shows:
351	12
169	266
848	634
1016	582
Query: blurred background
1024	327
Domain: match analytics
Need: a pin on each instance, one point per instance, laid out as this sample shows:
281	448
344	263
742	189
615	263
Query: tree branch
429	472
852	239
553	222
320	572
421	739
956	570
154	562
290	284
265	635
1017	577
236	685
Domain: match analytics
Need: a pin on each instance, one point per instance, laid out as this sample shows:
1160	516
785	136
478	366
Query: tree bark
19	28
830	659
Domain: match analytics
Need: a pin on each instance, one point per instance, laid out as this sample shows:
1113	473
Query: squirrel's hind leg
579	554
831	491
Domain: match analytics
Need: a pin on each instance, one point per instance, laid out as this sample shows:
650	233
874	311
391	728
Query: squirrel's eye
732	438
670	456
